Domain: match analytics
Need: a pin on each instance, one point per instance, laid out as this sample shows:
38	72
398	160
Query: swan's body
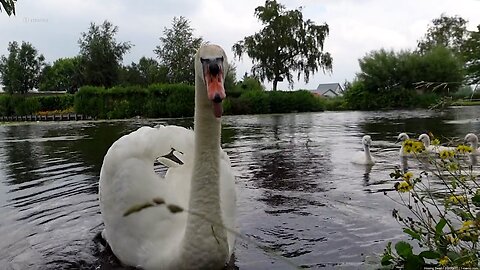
425	139
161	237
364	157
402	137
472	140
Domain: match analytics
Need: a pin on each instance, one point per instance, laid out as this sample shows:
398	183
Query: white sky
356	26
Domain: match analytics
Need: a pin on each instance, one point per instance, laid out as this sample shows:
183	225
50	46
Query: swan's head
210	64
425	139
366	140
402	137
471	138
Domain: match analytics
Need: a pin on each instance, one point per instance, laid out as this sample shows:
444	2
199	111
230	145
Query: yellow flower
466	226
407	176
403	186
411	146
452	240
435	142
457	199
444	261
446	154
464	149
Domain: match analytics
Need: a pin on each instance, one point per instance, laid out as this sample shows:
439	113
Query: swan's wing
128	180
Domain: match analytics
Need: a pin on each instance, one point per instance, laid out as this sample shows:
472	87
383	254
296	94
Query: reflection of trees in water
22	157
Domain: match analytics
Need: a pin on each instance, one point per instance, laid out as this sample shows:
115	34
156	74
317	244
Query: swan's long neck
426	143
475	144
203	229
368	155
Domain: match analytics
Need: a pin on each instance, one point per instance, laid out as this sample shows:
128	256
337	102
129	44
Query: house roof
324	87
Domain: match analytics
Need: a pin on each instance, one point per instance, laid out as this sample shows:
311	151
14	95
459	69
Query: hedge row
26	105
158	101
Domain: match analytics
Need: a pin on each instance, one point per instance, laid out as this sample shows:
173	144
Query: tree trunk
275	84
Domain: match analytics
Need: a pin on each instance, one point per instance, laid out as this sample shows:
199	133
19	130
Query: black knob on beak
214	69
217	98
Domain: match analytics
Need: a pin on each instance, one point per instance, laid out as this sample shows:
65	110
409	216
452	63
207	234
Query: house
328	90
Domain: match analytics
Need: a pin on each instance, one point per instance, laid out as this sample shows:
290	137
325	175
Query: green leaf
429	254
439	227
476	200
414	262
413	234
387	259
403	249
453	256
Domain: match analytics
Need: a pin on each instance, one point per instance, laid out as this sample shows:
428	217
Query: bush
26	105
357	98
158	100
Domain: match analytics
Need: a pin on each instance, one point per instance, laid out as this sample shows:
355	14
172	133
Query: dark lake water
298	193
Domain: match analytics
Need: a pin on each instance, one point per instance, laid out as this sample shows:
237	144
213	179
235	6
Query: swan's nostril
217	98
214	69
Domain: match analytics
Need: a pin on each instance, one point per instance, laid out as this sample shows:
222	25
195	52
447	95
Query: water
298	193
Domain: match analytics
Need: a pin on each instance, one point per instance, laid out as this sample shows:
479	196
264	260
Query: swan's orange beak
213	74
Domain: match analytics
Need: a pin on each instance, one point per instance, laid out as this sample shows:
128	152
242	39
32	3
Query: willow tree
286	44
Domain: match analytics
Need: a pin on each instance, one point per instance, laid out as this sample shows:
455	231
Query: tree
177	51
8	6
64	75
146	72
437	70
250	83
449	32
471	54
101	54
20	71
230	78
287	43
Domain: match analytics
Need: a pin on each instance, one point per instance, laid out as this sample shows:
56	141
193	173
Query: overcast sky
356	26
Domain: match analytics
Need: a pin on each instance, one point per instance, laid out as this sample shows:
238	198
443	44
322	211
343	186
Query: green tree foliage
8	6
471	54
146	72
64	75
177	51
286	43
404	79
20	71
450	32
437	70
230	78
101	54
250	82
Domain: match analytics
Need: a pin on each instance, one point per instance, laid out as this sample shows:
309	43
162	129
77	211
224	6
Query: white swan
425	139
402	137
472	140
364	157
195	202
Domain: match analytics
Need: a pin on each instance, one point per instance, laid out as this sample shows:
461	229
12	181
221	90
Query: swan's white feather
151	236
364	157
